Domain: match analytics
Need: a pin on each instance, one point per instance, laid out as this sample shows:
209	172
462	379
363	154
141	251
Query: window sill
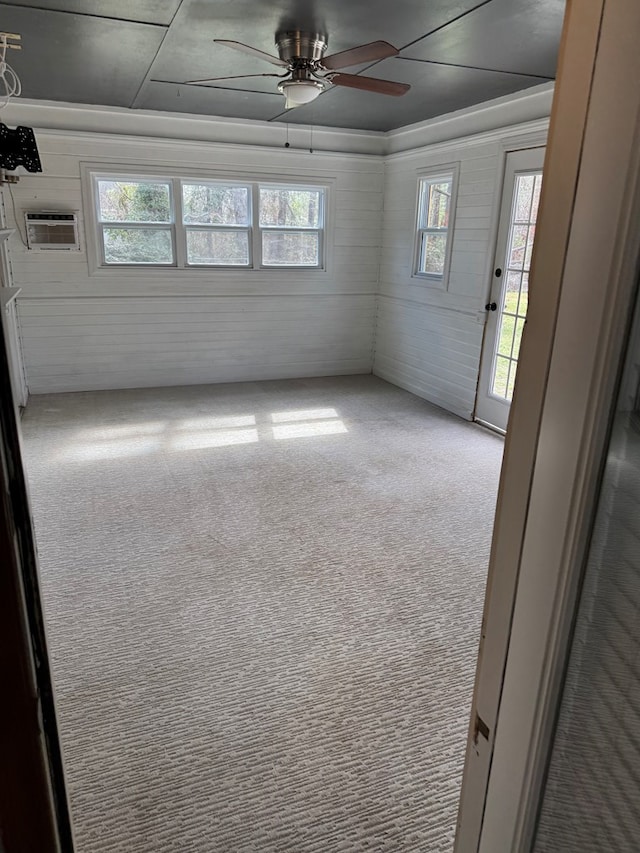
198	271
435	281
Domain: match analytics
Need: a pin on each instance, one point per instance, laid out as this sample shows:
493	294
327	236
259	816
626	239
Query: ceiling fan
309	70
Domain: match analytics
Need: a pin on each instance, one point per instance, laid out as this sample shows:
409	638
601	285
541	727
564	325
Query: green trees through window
290	220
219	224
434	219
212	204
134	206
131	201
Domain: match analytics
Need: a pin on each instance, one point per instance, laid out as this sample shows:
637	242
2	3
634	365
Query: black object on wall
19	148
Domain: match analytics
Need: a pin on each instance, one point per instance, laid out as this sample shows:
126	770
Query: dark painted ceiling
138	53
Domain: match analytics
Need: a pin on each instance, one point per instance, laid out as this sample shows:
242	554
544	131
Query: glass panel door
515	293
508	301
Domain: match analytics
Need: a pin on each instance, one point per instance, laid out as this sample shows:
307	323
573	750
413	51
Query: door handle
490	306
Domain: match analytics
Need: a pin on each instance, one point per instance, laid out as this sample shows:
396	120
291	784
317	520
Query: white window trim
248	227
169	226
261	229
433	175
92	172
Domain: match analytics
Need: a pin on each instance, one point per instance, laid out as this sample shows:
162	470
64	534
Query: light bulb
300	92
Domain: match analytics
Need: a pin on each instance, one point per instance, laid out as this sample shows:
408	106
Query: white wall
118	328
428	338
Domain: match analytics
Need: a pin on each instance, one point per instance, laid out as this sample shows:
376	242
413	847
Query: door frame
34	812
554	446
583	280
10	314
505	206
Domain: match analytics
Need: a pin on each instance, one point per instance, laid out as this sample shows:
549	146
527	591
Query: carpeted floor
263	603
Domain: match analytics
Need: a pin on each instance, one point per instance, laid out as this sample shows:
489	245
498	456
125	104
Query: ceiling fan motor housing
293	45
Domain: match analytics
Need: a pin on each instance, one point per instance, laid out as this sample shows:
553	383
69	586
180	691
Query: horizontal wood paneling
429	339
129	328
126	328
431	351
77	343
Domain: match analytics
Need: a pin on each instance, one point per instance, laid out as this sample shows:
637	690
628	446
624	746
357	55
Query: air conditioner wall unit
52	230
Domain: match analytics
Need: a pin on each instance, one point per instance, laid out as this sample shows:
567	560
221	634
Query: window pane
513	369
507	331
138	246
518	246
211	204
501	377
284	208
517	338
432	253
221	248
512	292
524	195
299	249
438	198
524	296
435	203
134	201
530	238
536	198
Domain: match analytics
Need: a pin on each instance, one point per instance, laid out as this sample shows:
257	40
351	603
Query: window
436	205
197	223
290	226
217	221
135	221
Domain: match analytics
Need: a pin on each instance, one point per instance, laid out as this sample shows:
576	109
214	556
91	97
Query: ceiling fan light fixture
300	92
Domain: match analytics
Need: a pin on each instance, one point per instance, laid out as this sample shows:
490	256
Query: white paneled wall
429	339
120	328
84	329
128	342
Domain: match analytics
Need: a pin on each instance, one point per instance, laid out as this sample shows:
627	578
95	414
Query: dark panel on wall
199	100
80	59
92	52
505	35
188	52
148	11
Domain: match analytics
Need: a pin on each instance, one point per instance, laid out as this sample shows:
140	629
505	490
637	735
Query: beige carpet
263	603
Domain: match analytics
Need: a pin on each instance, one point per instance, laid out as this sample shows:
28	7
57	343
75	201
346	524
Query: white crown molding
484	121
524	112
509	137
119	121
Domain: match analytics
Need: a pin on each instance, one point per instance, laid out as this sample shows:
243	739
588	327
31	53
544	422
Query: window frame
426	177
298	229
248	228
92	174
169	226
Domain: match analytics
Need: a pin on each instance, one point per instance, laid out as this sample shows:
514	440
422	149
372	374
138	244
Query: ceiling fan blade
356	55
232	77
252	51
370	84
